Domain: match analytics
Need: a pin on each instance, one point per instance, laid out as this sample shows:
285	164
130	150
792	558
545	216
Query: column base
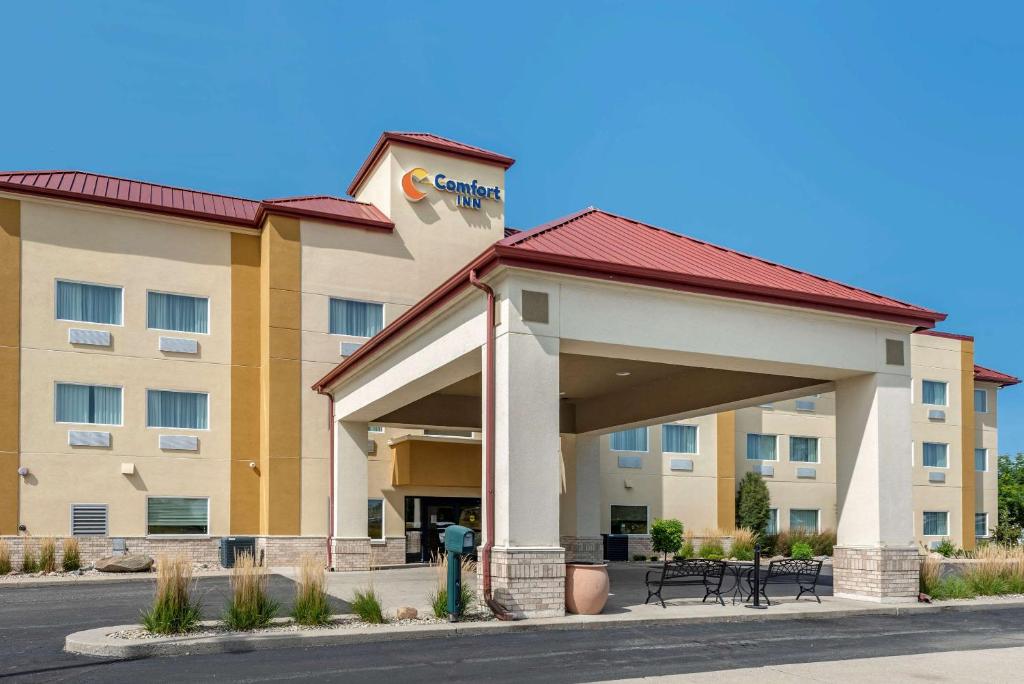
880	574
583	548
529	582
348	553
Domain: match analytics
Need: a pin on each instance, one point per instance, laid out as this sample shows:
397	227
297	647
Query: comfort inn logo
469	195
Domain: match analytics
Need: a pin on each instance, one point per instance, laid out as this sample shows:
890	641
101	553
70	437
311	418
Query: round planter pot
586	587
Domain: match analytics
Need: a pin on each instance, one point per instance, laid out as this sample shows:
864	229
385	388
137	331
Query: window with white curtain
181	313
803	449
981	401
88	303
91	404
936	524
981	460
375	519
679	439
933	392
629	440
935	455
803	519
177	515
173	409
355	318
773	521
761	447
981	524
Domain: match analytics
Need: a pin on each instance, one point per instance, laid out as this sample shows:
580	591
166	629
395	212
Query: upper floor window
181	313
981	460
981	524
88	303
761	447
358	319
935	455
981	401
172	409
91	404
933	392
803	449
679	439
630	440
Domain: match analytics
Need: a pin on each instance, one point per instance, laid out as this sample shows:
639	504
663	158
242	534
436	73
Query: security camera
252	464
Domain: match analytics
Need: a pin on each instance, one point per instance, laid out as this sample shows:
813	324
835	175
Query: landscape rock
132	563
406	613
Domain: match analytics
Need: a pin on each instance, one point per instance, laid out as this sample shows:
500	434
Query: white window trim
817	518
631	451
817	452
985	469
86	282
633	505
925	465
762	434
940	536
696	439
178	536
383	315
940	382
375	429
985	392
85	384
179	391
383	521
988	532
209	309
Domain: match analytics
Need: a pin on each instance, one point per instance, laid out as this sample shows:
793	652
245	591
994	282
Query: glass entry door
428	517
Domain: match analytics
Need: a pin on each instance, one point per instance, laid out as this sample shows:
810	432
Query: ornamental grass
29	557
312	607
5	557
250	606
71	556
48	555
991	570
743	542
366	605
439	597
711	546
175	609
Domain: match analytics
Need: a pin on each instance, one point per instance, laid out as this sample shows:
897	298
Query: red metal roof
509	232
983	374
430	142
193	204
947	335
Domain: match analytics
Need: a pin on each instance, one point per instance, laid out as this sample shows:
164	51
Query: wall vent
88	438
766	470
371	447
96	338
630	462
936	477
894	353
683	464
535	306
936	415
179	443
809	473
88	519
349	348
179	345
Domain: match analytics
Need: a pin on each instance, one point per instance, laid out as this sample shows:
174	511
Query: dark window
629	519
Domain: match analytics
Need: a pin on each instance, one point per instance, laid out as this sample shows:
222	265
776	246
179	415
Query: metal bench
683	572
802	573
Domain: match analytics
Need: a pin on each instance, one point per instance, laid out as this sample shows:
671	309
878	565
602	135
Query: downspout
499	610
330	461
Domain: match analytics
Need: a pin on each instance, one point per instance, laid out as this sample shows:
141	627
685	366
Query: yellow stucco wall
10	361
245	383
967	439
726	426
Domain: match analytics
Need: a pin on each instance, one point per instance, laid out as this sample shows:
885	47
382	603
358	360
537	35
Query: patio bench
685	572
803	574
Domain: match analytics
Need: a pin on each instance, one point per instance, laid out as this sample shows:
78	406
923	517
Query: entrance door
436	514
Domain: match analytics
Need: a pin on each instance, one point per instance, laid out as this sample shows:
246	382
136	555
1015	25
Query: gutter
330	470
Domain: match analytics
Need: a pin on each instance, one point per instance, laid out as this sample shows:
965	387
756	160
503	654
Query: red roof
983	374
184	203
947	335
509	232
430	142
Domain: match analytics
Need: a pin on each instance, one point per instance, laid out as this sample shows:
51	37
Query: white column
351	542
876	558
588	543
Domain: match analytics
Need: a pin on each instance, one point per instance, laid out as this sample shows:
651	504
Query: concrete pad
397	587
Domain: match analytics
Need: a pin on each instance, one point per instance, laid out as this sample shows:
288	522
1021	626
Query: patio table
738	567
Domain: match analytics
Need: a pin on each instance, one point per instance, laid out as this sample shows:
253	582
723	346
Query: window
88	303
806	405
449	433
935	455
630	440
177	312
358	319
93	404
761	447
177	515
88	520
679	439
980	401
803	449
773	521
171	409
375	519
629	519
803	519
981	460
933	392
981	524
936	523
376	428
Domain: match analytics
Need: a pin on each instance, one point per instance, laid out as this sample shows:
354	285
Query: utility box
231	547
458	541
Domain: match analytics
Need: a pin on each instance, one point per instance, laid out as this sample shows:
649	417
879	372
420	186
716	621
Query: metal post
757	579
454	586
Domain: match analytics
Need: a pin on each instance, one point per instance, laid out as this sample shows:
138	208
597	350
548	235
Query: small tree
667	536
752	503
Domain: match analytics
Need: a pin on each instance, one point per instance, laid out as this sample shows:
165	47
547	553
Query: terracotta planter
586	587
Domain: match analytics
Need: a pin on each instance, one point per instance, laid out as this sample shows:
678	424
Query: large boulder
130	563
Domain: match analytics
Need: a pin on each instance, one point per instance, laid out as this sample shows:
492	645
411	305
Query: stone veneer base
529	582
880	574
583	548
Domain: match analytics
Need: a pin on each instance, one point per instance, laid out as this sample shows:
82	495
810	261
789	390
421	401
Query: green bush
439	601
946	548
743	541
366	605
824	543
72	557
711	549
753	503
802	551
639	557
174	609
769	543
686	551
666	537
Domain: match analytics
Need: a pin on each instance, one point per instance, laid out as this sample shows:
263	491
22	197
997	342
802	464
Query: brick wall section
350	554
529	583
583	548
280	551
390	552
876	573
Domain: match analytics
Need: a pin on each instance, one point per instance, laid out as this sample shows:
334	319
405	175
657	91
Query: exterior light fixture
23	471
623	374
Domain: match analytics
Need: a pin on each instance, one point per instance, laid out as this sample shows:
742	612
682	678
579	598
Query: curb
114	577
95	642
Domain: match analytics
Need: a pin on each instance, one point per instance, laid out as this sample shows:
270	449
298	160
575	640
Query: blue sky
876	143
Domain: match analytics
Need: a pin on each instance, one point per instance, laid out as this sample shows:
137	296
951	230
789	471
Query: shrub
439	601
29	560
711	548
467	598
666	537
174	609
366	604
769	543
653	559
824	543
48	555
802	551
250	607
312	606
743	541
639	557
687	550
752	503
946	548
72	555
5	557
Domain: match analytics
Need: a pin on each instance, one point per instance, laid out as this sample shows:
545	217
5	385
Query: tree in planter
666	537
752	504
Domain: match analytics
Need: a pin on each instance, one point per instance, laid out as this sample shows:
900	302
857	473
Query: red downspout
485	555
330	461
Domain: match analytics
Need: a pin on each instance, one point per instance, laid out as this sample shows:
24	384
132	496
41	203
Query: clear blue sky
877	143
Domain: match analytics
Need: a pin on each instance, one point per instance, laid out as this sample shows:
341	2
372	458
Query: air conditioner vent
178	345
96	338
936	415
766	470
809	473
683	464
936	477
88	438
179	443
88	519
349	348
630	462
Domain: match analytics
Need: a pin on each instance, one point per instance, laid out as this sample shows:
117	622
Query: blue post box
458	540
